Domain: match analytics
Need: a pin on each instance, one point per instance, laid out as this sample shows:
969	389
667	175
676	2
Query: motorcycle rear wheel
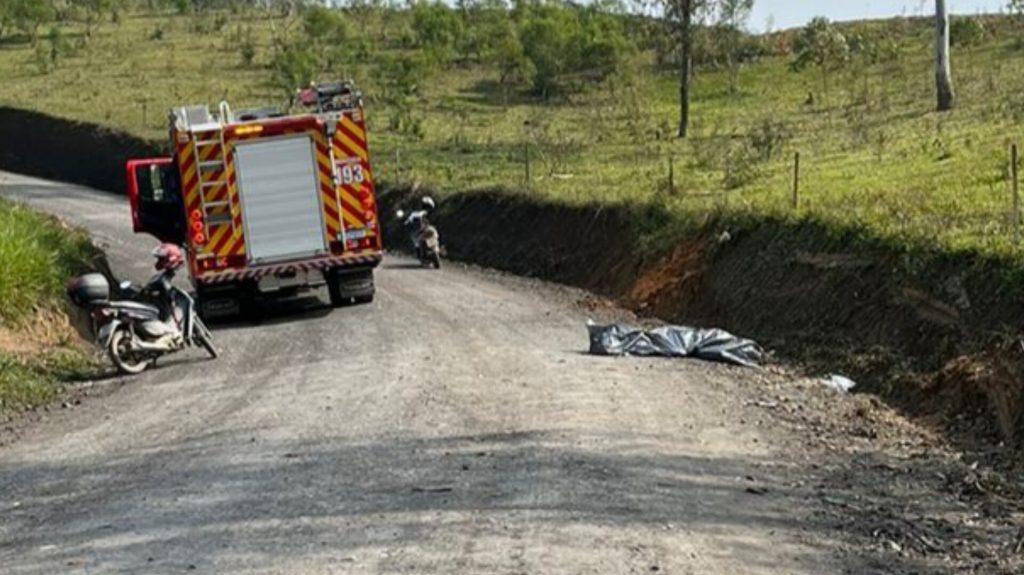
125	360
202	333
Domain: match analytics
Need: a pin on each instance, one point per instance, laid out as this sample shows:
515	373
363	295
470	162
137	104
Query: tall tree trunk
686	61
943	72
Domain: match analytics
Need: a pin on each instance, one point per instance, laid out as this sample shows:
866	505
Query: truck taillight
197	228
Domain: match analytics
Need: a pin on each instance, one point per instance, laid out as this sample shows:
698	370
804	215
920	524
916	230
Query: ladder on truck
206	135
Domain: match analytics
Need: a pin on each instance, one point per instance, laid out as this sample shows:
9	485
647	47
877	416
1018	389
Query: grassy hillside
37	344
874	153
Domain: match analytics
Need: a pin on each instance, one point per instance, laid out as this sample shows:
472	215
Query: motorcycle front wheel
202	333
125	359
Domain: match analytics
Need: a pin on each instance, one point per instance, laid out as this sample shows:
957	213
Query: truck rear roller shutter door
277	181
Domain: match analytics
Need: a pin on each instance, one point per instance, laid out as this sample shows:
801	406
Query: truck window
156	184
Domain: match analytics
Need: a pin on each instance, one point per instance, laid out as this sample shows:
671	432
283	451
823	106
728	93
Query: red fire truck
266	204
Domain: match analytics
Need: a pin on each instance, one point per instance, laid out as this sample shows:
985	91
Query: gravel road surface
453	426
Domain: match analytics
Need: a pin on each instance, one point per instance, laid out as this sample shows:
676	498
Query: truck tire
334	289
347	287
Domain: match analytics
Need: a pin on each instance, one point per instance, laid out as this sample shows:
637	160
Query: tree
325	25
683	16
29	15
569	45
505	52
94	10
821	44
1016	7
293	65
438	29
6	17
548	37
943	68
732	14
480	19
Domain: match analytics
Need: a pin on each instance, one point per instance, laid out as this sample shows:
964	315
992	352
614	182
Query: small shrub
41	59
220	22
769	137
741	167
247	48
966	31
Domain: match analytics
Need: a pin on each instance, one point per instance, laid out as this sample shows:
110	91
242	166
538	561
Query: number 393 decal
352	174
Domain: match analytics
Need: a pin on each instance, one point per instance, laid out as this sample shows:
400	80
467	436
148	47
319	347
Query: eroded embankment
39	145
936	334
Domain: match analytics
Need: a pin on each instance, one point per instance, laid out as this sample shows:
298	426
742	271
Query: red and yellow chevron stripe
328	193
353	158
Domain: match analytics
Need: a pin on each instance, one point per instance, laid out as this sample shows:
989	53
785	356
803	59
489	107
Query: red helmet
168	257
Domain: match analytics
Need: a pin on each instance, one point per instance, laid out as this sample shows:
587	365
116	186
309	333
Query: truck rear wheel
345	287
334	289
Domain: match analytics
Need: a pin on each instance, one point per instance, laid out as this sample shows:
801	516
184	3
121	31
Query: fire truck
267	204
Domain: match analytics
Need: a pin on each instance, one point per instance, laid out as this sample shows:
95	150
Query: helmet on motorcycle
168	257
428	203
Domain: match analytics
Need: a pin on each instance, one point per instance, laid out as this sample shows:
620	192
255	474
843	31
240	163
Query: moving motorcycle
153	320
425	239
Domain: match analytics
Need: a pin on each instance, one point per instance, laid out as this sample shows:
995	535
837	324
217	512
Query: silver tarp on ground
674	341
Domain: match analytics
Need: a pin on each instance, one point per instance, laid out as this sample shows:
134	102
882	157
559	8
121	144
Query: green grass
37	255
874	152
29	382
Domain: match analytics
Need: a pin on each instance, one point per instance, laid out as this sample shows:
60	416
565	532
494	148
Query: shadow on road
212	500
406	265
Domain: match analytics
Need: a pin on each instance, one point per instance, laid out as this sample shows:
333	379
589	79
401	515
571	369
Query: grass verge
39	348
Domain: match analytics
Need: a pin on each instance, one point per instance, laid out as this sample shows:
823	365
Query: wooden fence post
1015	175
671	173
796	180
526	163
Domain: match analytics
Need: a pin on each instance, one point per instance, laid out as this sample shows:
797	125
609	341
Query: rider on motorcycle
417	221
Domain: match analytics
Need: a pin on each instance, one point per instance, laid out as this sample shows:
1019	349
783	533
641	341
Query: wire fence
791	183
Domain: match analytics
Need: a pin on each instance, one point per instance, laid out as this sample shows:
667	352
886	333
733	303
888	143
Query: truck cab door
154	192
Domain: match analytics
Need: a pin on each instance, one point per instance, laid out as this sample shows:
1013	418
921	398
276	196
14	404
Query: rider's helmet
427	203
168	257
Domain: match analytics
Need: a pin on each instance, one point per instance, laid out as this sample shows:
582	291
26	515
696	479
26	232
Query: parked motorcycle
149	322
424	237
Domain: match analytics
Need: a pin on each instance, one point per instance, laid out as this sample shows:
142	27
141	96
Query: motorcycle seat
135	307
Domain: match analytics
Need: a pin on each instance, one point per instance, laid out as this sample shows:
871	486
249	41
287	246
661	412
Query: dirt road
454	426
